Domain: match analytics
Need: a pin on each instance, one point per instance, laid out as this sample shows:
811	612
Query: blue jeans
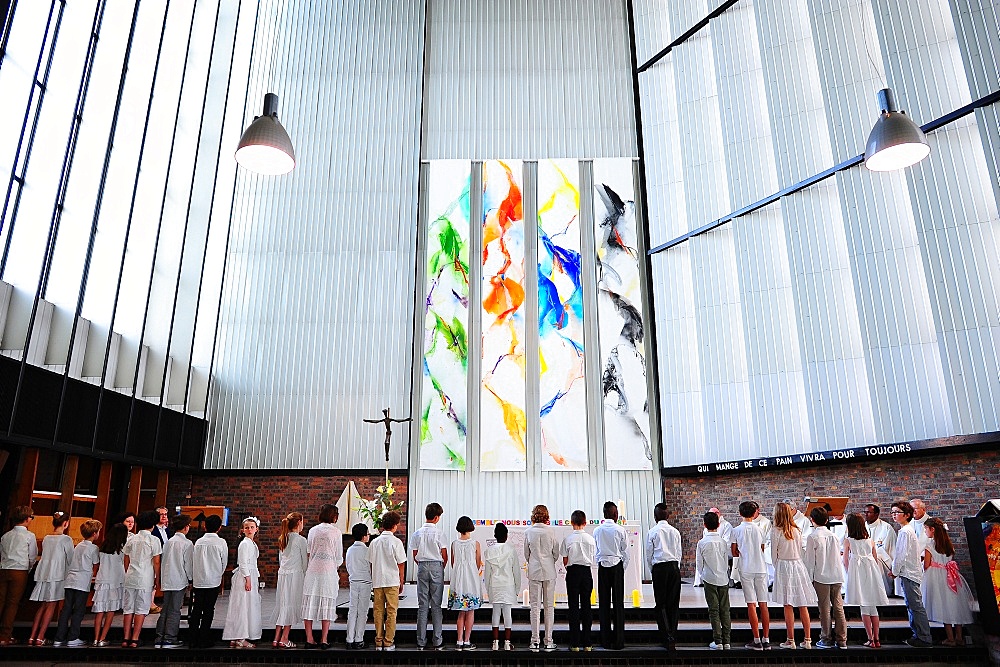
915	609
430	590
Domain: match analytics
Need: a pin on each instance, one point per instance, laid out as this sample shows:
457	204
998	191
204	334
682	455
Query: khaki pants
829	594
386	604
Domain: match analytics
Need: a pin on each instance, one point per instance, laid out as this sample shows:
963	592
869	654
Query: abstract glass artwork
444	413
619	310
503	423
562	389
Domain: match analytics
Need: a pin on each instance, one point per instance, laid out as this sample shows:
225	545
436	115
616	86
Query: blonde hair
288	524
784	520
540	514
90	527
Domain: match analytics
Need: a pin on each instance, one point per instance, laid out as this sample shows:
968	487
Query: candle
593	596
524	598
635	597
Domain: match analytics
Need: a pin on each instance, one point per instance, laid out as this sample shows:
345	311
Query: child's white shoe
496	645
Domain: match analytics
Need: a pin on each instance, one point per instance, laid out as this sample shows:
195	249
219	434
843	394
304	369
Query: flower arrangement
373	510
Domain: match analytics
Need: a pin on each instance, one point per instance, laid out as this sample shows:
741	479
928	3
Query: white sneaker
714	646
534	646
76	643
550	646
507	645
390	647
496	645
727	647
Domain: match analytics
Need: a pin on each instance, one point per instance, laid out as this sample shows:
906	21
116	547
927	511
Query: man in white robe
884	538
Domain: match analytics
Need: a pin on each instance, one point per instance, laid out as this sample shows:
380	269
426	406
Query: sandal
42	642
241	643
286	644
134	643
126	644
869	644
878	644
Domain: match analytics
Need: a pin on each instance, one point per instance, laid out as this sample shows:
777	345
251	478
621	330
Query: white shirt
502	570
822	557
541	551
580	548
427	543
140	551
725	529
81	568
359	564
18	549
884	539
162	532
294	557
177	563
57	553
211	555
712	559
906	562
386	553
612	544
663	544
749	542
805	526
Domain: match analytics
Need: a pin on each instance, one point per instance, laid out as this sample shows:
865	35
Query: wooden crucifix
387	421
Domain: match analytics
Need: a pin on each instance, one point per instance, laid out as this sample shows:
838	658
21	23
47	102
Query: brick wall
952	485
270	498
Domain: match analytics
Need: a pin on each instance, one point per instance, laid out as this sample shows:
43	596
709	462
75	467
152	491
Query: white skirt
319	608
289	598
48	591
107	597
792	584
243	615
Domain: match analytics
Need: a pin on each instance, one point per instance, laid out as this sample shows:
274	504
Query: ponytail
288	524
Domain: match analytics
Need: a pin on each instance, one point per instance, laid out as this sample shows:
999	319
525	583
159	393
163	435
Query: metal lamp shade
265	147
895	142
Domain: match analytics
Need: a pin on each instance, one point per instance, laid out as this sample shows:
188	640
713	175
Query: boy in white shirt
823	562
358	562
388	569
18	553
663	556
142	576
81	570
747	544
211	555
712	562
579	551
176	572
907	566
430	554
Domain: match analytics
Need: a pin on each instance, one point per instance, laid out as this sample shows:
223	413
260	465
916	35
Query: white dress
110	582
944	605
57	554
792	583
243	615
865	587
466	590
322	581
292	563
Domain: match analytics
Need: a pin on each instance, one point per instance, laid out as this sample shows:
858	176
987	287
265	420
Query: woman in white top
792	583
503	580
110	582
57	553
947	597
322	581
864	576
243	617
292	563
466	592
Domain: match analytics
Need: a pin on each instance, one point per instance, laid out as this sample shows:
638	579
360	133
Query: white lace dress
322	581
292	563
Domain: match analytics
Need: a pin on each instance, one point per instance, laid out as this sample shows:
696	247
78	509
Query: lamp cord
864	35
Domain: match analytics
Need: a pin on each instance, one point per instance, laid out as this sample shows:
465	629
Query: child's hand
246	583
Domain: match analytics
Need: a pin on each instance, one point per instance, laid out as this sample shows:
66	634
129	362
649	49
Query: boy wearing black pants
612	559
211	554
578	551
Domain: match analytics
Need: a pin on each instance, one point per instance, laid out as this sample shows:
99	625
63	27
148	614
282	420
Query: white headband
254	519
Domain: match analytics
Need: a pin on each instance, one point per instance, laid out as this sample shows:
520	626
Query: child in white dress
947	597
292	563
110	582
57	554
864	576
243	616
466	592
792	583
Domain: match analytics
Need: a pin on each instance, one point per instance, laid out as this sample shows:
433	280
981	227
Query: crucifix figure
387	421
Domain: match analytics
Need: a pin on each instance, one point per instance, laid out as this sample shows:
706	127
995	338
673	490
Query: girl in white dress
243	617
292	563
865	587
110	582
466	592
792	583
57	553
322	582
946	594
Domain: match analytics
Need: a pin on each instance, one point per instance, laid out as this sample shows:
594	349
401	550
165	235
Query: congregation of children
791	560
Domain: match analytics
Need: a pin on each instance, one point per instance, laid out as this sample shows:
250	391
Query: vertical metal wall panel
955	214
528	80
320	272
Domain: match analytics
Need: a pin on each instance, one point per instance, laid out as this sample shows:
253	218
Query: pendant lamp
265	147
895	142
